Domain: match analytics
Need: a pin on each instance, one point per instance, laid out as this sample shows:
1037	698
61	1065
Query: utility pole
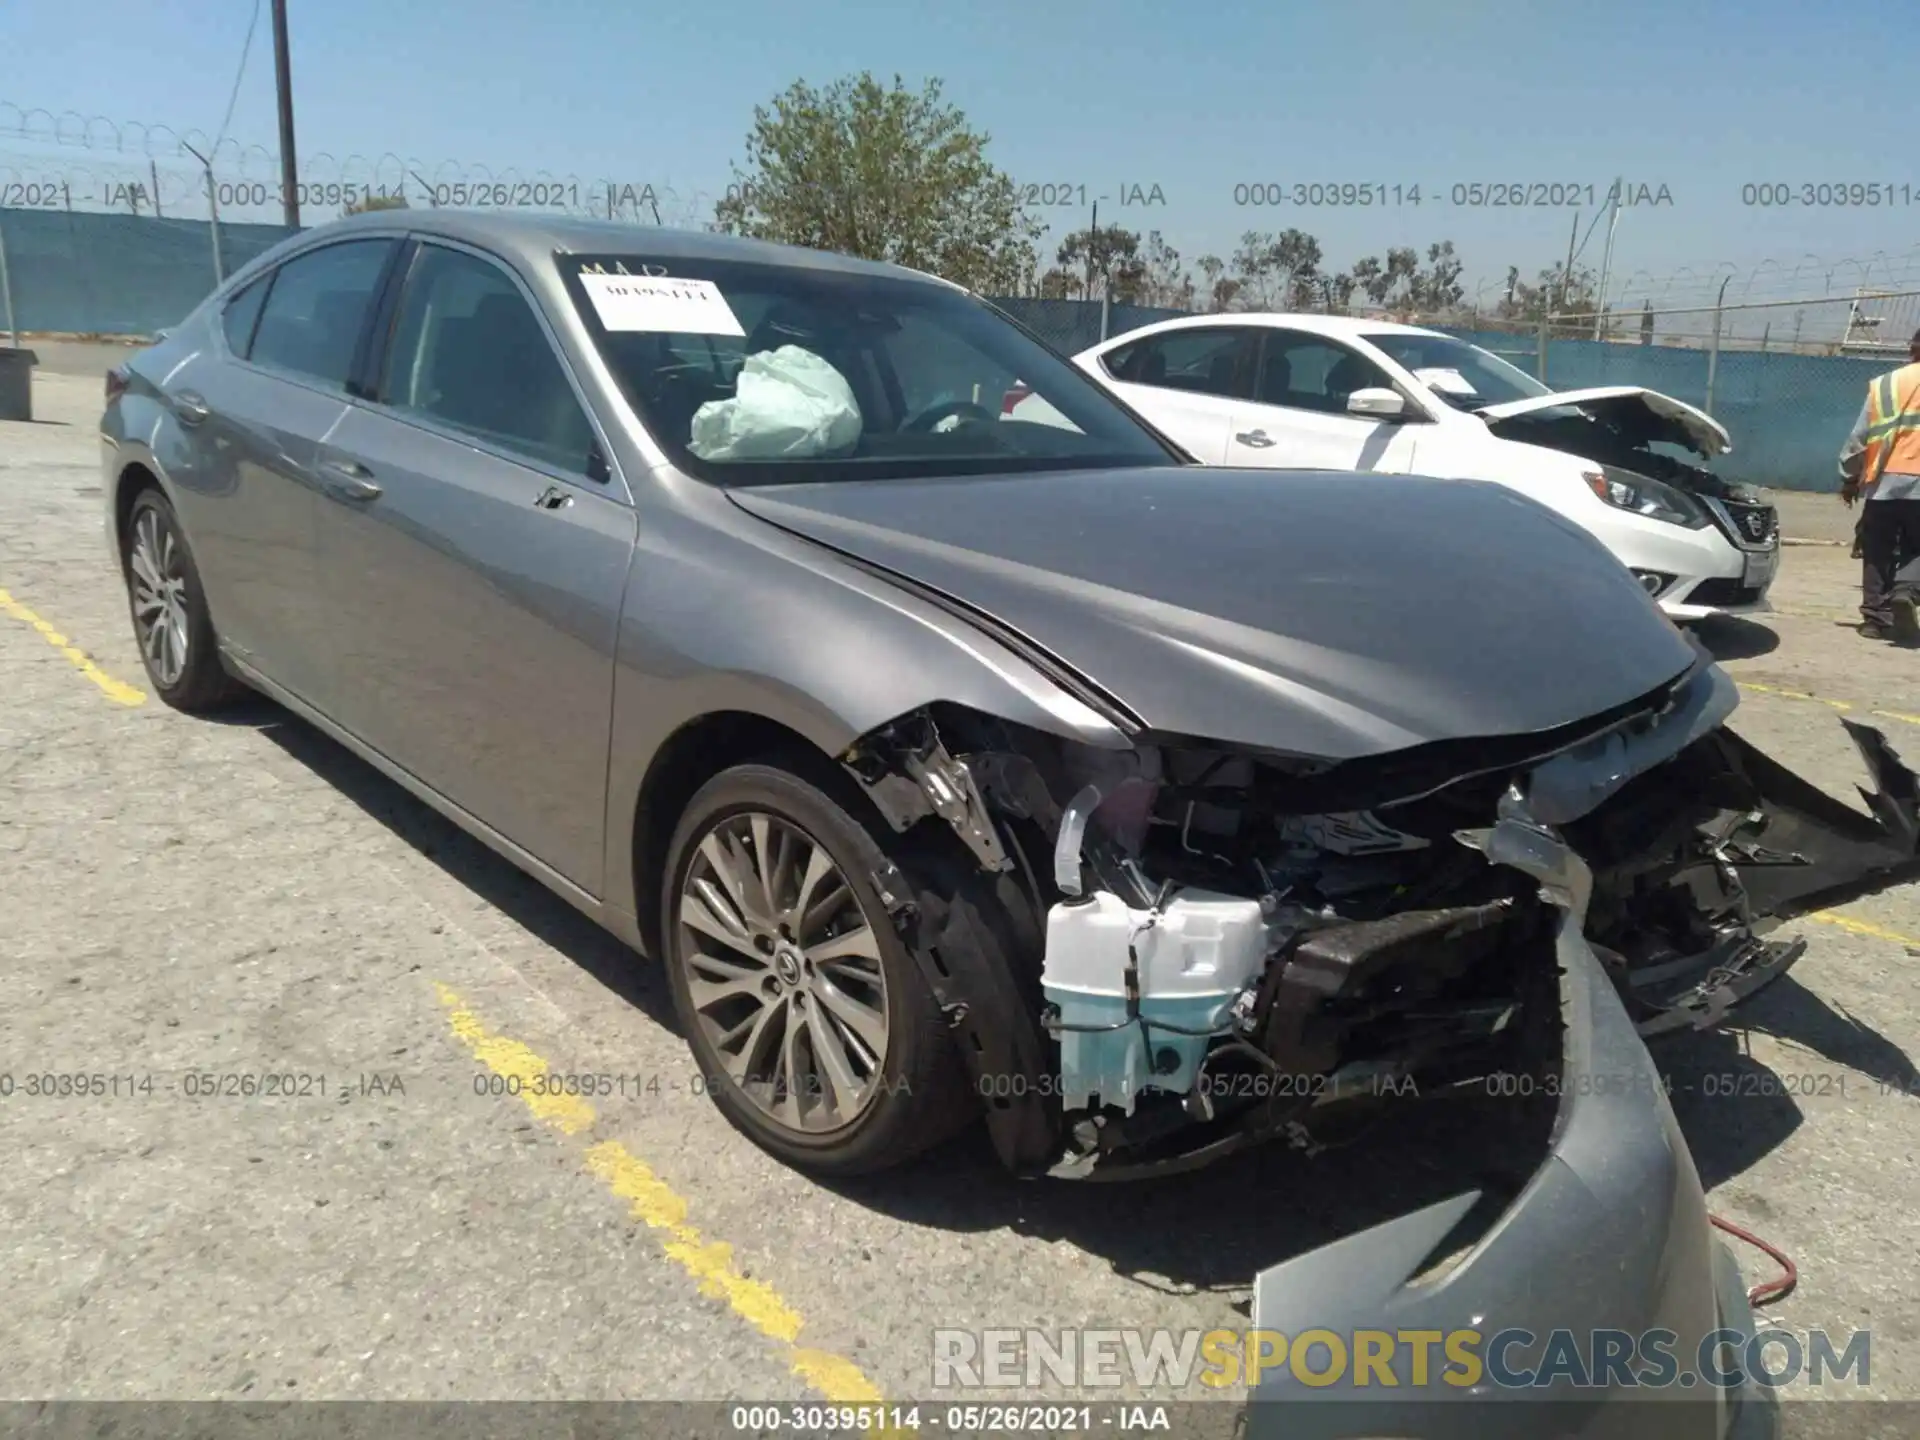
1566	271
283	81
1093	239
213	211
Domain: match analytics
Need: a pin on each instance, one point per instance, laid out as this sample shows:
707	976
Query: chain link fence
1785	377
1070	326
76	272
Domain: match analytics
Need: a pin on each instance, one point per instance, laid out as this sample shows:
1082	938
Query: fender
762	654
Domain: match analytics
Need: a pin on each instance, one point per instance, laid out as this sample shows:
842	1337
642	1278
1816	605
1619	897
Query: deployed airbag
789	405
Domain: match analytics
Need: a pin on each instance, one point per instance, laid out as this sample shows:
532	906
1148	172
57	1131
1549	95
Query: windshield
1463	375
750	374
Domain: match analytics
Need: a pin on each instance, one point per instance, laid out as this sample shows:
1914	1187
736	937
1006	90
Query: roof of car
1346	327
533	236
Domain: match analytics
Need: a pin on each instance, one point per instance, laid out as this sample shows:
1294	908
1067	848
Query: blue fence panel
1788	414
94	274
91	273
1070	326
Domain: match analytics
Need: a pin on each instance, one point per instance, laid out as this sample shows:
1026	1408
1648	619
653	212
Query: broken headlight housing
1643	495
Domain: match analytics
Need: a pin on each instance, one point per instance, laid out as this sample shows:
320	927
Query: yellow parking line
115	690
1781	693
656	1205
1839	617
1792	694
1863	927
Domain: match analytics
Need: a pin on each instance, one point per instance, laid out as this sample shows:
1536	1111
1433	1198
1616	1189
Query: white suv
1314	392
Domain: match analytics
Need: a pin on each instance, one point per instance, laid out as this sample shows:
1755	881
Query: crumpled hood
1333	615
1643	416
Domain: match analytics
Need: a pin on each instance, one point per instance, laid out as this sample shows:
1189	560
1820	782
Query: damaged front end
1643	433
1156	956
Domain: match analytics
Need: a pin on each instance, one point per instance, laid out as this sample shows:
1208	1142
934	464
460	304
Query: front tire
808	1017
168	604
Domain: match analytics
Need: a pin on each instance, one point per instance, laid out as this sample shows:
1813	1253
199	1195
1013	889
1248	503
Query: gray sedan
963	765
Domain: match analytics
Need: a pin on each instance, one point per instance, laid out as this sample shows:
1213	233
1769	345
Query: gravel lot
188	899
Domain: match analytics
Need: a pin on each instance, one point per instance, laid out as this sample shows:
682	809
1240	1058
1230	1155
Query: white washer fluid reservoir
1200	952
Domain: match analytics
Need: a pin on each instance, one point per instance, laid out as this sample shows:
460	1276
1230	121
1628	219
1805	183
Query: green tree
1107	259
1217	286
884	174
1438	287
1556	292
1334	293
1165	279
1276	269
1060	283
1403	263
1367	275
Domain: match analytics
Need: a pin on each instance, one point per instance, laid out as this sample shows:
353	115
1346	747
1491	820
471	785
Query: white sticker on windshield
1446	381
661	304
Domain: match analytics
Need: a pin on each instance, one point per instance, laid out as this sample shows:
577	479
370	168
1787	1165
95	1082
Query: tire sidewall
196	680
910	1074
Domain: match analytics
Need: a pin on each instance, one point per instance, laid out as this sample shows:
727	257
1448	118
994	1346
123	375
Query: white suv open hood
1617	405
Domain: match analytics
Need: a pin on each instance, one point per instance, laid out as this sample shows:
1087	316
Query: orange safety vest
1893	425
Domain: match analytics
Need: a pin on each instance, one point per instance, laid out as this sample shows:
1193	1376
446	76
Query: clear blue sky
1698	95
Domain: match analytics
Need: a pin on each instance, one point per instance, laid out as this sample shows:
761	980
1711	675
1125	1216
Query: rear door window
242	313
1211	361
311	323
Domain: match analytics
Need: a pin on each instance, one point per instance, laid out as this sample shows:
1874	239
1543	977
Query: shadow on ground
1729	637
1735	1109
1216	1228
494	879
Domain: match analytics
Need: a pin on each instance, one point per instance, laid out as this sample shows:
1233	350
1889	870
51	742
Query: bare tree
1166	281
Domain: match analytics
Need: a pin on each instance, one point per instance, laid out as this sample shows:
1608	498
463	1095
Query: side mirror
1377	402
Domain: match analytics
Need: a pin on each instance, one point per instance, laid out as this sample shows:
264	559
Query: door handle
553	498
350	480
191	407
1258	439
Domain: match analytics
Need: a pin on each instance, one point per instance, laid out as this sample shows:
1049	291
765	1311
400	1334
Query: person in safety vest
1881	463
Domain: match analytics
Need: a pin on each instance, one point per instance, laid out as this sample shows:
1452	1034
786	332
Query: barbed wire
327	184
189	174
144	168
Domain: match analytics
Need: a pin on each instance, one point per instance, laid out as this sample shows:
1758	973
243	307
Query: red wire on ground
1773	1289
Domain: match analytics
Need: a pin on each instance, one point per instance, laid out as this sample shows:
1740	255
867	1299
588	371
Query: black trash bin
16	383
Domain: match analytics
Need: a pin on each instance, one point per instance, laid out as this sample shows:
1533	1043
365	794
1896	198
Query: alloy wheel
159	596
784	971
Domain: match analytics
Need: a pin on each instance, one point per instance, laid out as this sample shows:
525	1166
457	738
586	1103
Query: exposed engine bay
1626	447
1227	945
1624	430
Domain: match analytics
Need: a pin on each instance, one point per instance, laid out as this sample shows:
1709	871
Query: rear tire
808	1017
168	604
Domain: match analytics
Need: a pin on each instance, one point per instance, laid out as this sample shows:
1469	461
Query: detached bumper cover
1610	1234
1795	850
1807	850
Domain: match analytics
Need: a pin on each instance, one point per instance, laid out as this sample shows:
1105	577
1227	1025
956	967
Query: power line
246	47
